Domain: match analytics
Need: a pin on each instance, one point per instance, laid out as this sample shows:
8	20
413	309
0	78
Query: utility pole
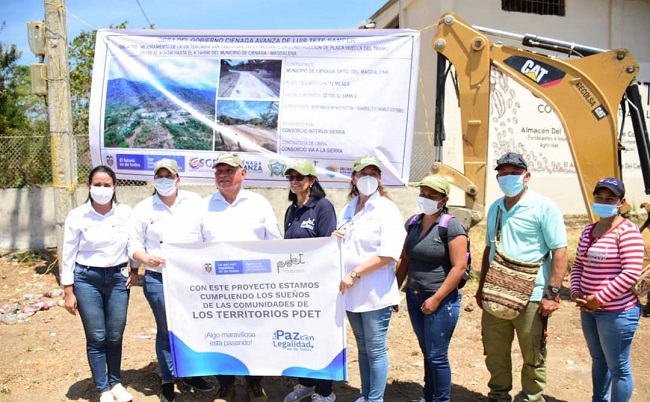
64	155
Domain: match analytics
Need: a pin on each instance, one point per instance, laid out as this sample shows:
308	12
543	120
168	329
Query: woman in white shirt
163	216
373	235
97	279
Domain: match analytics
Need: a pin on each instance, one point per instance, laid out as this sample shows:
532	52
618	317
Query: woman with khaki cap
310	214
372	232
435	260
157	218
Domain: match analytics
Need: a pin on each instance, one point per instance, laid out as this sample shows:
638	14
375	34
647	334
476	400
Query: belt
119	266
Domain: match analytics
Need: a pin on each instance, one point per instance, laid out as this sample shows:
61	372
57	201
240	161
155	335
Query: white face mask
367	185
101	195
427	206
165	186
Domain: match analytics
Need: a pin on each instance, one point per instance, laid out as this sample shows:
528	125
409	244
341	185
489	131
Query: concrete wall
27	215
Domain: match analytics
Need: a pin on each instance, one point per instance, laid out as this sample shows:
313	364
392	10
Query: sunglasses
296	177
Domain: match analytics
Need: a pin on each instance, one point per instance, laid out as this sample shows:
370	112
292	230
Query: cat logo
533	71
543	74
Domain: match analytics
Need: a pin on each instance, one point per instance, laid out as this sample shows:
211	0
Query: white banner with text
268	308
271	96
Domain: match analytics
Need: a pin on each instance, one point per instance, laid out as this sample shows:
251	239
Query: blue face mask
511	185
604	210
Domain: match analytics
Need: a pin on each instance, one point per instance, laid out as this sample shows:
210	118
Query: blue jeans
434	333
370	330
155	295
609	340
102	302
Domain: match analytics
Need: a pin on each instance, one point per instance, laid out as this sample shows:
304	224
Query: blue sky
187	14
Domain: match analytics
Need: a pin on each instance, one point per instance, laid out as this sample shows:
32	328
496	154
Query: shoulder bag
509	282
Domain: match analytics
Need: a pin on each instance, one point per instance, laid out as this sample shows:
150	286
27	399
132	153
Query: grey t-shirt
430	262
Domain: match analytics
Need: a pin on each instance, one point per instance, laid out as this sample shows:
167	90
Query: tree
24	145
12	116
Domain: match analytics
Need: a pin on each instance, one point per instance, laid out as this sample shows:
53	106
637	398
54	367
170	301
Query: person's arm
270	222
402	267
137	238
485	264
578	266
68	260
559	265
458	259
326	219
370	265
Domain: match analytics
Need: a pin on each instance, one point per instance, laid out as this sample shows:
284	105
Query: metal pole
63	150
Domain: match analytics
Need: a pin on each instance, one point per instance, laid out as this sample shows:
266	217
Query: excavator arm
584	92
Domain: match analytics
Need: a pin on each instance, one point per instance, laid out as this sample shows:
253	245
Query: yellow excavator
585	93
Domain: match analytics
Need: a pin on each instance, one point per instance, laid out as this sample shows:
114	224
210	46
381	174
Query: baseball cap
612	184
229	158
365	161
435	182
512	158
302	166
165	163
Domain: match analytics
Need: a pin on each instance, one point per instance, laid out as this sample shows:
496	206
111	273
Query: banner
269	308
271	96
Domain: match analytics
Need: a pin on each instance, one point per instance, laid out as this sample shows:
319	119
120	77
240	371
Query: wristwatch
555	290
553	293
354	275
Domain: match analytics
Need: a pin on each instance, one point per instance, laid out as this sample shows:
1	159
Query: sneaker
299	393
226	394
106	397
256	393
167	394
320	398
120	394
362	399
198	383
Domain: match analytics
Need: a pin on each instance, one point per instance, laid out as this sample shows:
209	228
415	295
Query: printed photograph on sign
154	103
250	79
252	125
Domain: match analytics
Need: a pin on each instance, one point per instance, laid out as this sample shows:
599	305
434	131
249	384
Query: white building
606	24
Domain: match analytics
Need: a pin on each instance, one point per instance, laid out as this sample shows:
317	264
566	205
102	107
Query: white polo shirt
249	217
376	230
153	222
90	238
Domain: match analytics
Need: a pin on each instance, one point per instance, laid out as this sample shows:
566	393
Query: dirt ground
43	359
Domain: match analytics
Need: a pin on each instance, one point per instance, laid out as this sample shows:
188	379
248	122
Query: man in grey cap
531	228
235	214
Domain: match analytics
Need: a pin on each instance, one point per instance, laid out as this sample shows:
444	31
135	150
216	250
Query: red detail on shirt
608	267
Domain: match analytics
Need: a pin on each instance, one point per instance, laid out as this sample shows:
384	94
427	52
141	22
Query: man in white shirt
236	214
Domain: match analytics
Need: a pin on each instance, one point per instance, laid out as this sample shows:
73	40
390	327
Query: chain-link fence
25	160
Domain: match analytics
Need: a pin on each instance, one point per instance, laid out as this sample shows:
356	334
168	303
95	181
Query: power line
143	13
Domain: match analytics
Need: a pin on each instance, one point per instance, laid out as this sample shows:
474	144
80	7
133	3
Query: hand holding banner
256	308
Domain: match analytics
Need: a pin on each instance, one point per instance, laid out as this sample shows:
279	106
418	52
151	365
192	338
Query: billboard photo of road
164	104
250	79
246	126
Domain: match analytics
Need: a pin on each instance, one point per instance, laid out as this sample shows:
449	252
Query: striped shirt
608	267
